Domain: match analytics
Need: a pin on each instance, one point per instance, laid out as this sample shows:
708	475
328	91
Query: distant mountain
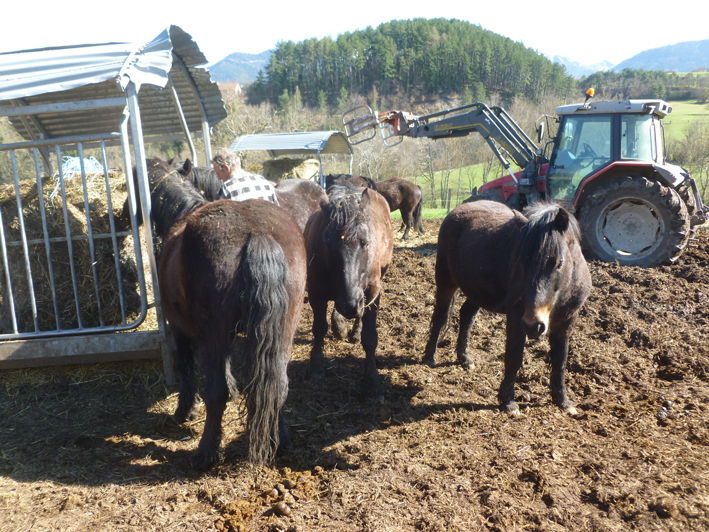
579	70
681	57
239	68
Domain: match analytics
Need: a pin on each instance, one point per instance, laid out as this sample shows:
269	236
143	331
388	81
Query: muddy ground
92	448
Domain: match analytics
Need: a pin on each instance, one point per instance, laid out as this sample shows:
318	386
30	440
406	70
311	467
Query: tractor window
637	138
584	146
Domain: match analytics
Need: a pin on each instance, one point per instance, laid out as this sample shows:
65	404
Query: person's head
225	163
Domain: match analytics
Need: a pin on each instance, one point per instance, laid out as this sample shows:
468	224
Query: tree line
641	84
409	57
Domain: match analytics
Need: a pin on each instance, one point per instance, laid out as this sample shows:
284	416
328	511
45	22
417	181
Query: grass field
683	115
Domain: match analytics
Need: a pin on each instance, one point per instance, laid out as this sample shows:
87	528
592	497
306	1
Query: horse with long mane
229	267
407	197
349	246
529	268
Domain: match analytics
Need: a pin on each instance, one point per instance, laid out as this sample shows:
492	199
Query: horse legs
185	362
441	313
514	352
370	340
558	353
467	317
216	394
317	356
407	219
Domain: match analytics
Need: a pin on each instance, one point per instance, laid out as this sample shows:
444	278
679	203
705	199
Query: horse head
545	254
347	239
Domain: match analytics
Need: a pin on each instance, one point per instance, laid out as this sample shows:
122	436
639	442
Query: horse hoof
466	363
201	461
181	417
570	410
429	361
512	408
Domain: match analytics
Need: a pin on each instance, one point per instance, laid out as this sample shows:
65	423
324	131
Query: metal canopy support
183	122
145	203
205	122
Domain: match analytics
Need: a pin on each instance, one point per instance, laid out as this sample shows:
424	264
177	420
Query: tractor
607	165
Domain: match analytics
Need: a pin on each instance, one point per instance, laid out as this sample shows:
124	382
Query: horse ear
187	167
561	222
366	200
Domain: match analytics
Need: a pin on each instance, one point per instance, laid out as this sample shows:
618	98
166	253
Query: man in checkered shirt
238	184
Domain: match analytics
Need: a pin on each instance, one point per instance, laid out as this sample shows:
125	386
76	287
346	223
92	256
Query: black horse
228	267
530	268
204	178
407	197
349	245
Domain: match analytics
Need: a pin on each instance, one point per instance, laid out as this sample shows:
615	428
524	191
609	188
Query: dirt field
92	447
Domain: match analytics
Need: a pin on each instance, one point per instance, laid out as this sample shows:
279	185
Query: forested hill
409	57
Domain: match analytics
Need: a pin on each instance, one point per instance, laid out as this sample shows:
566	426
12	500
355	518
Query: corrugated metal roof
311	142
89	72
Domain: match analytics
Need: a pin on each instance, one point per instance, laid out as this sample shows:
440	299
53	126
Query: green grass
469	178
683	115
426	213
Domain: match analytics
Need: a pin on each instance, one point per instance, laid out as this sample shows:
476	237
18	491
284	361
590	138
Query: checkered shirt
243	185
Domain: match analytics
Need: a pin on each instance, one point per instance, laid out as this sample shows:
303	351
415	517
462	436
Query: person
237	183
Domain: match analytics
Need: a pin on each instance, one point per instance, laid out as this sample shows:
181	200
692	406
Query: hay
96	307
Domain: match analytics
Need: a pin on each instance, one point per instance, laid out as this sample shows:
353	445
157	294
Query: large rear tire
636	222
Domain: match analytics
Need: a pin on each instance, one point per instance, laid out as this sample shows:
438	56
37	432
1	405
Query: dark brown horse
531	269
349	245
301	198
408	198
229	267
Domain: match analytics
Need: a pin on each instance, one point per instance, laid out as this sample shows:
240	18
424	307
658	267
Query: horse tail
264	304
418	225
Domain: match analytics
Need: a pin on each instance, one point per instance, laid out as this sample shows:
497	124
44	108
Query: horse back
474	247
212	243
301	198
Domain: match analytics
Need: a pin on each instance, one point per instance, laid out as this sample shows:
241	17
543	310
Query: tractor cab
593	136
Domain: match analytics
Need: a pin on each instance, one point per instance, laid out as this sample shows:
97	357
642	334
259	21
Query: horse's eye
363	243
560	264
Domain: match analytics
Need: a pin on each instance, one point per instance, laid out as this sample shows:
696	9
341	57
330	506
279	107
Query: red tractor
607	165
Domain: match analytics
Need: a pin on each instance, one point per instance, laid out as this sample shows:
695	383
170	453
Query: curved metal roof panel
305	143
102	71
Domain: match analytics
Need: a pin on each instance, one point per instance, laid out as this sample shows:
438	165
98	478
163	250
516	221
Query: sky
587	32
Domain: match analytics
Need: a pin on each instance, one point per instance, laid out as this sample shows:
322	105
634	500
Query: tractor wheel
635	222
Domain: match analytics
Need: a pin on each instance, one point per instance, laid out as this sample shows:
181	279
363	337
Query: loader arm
502	133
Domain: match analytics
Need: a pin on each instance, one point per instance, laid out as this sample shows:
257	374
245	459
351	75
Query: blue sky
587	32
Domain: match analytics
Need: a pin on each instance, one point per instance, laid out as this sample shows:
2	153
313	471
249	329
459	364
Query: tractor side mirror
540	132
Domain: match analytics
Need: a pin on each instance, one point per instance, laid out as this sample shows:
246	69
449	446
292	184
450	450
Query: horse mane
537	241
171	196
343	209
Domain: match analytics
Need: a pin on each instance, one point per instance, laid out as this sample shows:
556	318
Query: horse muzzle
536	324
350	308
